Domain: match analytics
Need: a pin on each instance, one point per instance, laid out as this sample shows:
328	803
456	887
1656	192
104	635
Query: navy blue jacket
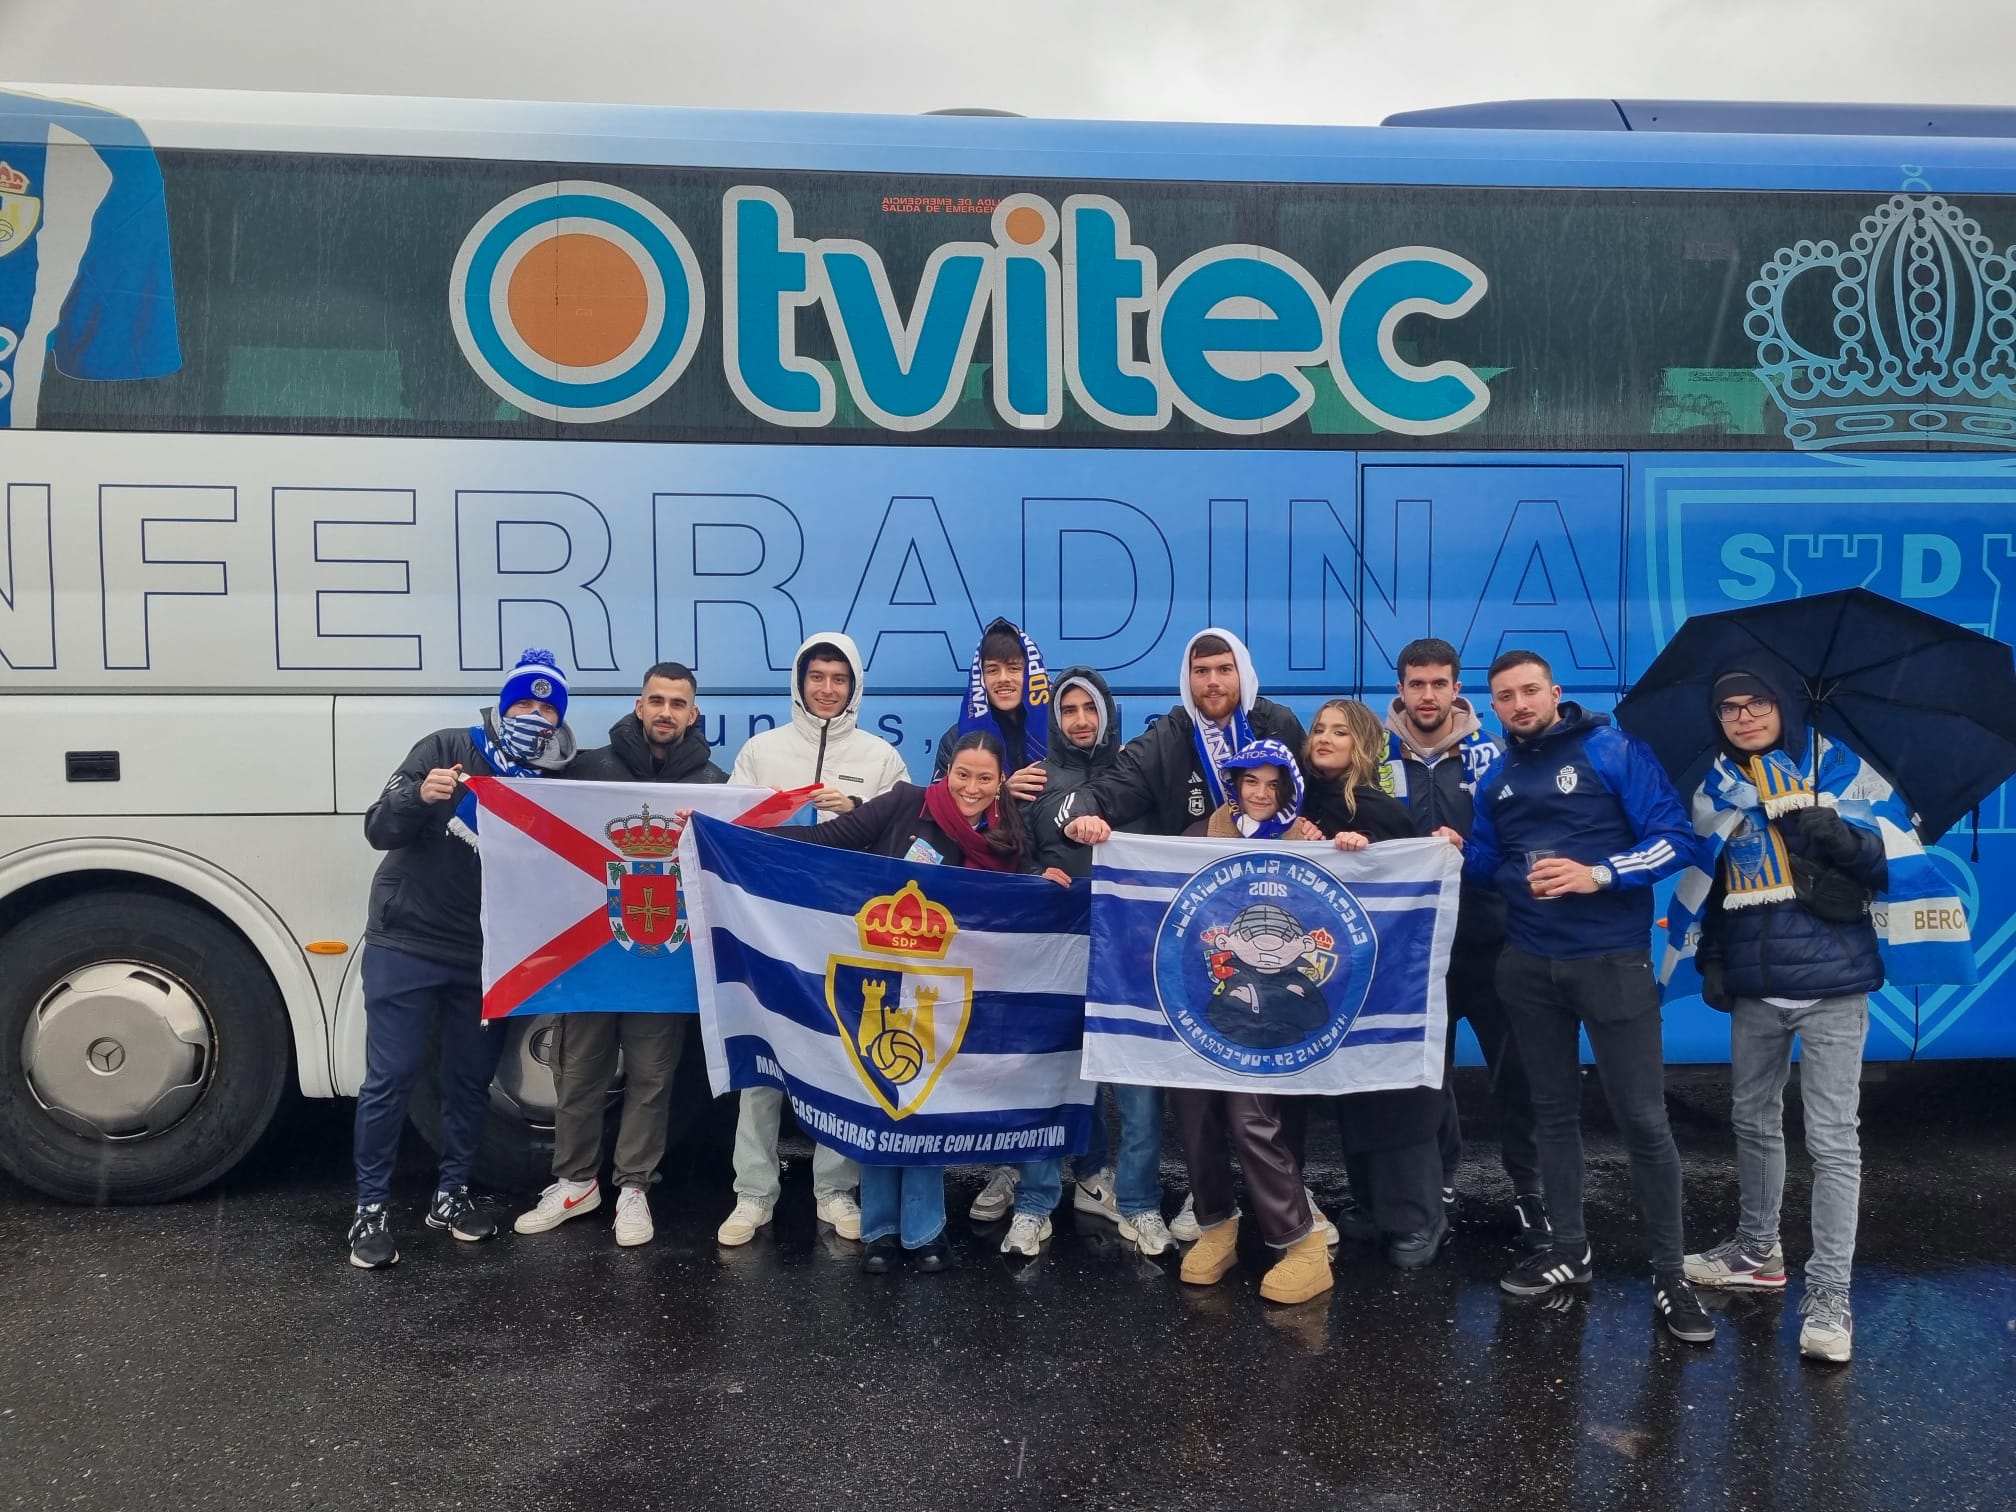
1782	950
1590	793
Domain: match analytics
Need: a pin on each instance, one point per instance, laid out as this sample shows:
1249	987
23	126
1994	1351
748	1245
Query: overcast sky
1276	60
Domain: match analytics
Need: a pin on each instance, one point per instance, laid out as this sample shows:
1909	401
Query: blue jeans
1137	1178
405	996
905	1200
1831	1034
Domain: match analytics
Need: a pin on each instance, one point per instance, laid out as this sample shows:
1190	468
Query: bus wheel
143	1049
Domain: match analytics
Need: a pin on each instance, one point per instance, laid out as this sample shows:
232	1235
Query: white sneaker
740	1226
1183	1227
1319	1223
1095	1195
633	1217
843	1213
997	1196
558	1203
1026	1235
1148	1233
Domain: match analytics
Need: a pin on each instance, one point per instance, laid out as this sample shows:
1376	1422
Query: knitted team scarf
978	714
1921	924
515	735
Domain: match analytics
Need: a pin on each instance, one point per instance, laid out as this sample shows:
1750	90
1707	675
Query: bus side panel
1939	531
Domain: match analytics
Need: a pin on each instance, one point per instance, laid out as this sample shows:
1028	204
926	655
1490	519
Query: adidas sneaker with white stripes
1547	1270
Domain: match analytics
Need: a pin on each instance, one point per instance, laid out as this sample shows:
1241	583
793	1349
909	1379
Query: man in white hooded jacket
822	744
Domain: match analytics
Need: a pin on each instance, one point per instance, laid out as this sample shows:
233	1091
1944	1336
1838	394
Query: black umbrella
1931	705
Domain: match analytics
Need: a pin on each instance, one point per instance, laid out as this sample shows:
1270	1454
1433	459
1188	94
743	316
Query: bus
314	410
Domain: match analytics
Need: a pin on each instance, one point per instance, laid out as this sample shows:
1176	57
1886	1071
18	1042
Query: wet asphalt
220	1353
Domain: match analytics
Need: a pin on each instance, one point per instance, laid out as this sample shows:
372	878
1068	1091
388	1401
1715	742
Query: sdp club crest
902	1012
1262	963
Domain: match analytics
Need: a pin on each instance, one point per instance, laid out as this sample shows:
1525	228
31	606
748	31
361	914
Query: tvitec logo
582	302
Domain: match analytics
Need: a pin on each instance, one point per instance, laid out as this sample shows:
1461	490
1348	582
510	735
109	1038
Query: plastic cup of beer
1533	859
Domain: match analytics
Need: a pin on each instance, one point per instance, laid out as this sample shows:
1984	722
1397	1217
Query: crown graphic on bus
906	922
1922	322
644	834
12	179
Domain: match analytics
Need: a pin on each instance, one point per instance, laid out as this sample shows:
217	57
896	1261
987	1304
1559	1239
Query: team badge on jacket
1263	962
644	912
1565	779
902	1012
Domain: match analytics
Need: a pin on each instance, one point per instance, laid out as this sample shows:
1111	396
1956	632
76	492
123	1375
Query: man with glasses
1788	950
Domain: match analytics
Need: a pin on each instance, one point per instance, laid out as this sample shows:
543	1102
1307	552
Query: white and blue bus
314	410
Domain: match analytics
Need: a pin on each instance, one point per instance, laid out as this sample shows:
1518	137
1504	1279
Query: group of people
1565	824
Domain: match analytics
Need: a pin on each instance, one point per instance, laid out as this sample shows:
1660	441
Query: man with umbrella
1799	836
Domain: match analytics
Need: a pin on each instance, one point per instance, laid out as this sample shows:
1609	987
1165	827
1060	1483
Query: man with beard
659	742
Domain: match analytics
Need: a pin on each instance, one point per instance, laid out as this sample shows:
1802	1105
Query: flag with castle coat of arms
913	1014
583	905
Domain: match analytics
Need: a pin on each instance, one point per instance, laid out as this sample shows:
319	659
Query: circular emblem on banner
1262	963
577	301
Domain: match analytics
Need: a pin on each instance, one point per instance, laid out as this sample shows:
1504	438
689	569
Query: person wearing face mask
823	744
423	949
1389	1138
963	819
1127	1192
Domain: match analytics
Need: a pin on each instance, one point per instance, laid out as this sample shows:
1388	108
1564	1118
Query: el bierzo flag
583	909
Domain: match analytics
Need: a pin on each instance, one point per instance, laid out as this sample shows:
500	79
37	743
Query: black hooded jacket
1159	777
1783	950
1070	769
427	894
629	758
1380	815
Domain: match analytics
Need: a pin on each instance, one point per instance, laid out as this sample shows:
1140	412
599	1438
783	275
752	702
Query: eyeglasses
1756	708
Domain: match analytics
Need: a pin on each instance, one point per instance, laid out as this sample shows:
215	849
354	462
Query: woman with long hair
1391	1147
965	818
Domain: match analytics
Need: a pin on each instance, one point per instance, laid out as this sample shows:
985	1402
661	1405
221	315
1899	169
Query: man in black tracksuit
423	949
1574	825
660	742
1436	749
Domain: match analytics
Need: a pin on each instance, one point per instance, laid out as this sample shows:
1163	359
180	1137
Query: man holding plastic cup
1573	825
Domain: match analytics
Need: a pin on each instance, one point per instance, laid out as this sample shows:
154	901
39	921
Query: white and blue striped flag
915	1015
1271	966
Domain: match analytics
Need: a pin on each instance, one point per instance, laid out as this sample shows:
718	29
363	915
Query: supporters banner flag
1270	967
915	1015
583	908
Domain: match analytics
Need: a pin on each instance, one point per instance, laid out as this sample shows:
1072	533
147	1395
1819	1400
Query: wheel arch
38	875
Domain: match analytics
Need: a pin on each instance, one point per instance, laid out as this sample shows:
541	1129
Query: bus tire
177	1018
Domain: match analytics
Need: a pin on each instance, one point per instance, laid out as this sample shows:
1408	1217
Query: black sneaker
371	1245
881	1256
935	1256
1354	1221
1546	1269
1413	1251
1535	1232
461	1214
1681	1311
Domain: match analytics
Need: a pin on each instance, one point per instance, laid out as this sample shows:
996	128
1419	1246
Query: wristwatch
1601	875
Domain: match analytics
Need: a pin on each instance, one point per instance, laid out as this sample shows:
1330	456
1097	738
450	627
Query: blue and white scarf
1268	753
977	713
520	740
1921	924
1218	744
